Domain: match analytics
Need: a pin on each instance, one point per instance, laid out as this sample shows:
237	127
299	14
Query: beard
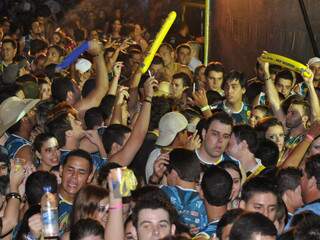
293	123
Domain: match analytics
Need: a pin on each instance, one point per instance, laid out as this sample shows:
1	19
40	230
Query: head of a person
288	183
115	137
234	86
243	140
314	148
116	26
4	190
180	83
308	229
258	113
226	222
272	129
56	37
166	52
35	28
93	118
298	114
284	82
172	130
253	226
65	127
87	229
44	88
18	115
38	46
159	107
259	194
46	149
268	153
234	170
281	217
214	74
314	65
183	54
310	181
157	65
199	76
184	165
90	202
259	71
8	49
216	186
76	171
153	219
216	134
134	60
129	230
54	54
4	162
65	89
36	185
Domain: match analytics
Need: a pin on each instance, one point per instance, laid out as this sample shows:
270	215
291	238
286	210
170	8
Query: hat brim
165	139
30	103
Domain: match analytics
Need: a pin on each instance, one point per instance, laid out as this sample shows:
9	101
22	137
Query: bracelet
205	108
117	206
309	137
13	195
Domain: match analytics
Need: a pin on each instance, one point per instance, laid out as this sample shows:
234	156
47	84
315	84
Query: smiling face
284	86
50	153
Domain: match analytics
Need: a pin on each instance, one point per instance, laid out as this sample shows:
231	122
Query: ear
244	144
305	119
243	90
173	229
60	170
201	193
203	133
69	133
242	205
91	174
69	96
174	174
312	182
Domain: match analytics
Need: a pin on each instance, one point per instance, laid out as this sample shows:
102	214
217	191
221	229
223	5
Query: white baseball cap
313	60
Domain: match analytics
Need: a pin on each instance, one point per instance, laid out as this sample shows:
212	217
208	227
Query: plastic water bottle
49	214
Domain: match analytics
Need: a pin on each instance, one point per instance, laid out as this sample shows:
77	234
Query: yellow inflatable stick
285	62
158	40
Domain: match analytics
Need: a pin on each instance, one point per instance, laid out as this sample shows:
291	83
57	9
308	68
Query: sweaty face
166	55
233	91
154	224
315	68
294	116
184	56
216	138
75	174
215	80
50	153
256	115
276	135
264	203
177	88
284	86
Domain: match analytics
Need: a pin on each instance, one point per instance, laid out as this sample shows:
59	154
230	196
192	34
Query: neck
214	212
23	133
186	184
44	167
7	62
66	196
297	130
312	196
206	157
247	160
235	107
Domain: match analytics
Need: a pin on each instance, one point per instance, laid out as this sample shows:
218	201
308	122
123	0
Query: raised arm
272	94
139	131
102	82
313	97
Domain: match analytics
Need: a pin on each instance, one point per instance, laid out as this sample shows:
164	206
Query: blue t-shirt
209	231
191	208
241	117
313	207
64	210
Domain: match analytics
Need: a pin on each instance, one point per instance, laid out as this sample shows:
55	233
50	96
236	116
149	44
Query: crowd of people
201	152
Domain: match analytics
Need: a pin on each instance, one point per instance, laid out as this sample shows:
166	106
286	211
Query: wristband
309	137
205	108
117	206
13	195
